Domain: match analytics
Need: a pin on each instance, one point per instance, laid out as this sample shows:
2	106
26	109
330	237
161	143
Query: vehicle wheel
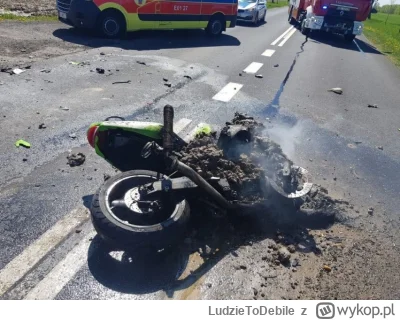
304	30
349	37
215	26
111	24
256	19
137	229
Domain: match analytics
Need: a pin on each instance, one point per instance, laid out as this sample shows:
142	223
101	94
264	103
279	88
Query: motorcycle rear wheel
114	226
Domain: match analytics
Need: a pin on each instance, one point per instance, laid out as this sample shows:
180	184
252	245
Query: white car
253	11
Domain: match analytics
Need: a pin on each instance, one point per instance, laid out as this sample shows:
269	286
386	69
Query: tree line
391	9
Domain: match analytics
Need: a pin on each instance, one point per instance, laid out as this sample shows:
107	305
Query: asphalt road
43	201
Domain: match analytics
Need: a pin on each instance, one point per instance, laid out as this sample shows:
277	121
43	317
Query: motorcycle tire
120	234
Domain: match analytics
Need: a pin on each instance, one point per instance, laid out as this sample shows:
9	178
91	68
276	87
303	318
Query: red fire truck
336	16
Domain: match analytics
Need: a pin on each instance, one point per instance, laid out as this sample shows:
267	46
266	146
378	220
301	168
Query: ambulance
112	18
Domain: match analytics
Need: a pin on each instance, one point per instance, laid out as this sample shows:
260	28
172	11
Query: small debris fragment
259	76
100	70
119	82
209	285
106	176
22	143
336	90
327	268
240	74
165	79
102	54
18	71
255	291
24	159
45	70
291	248
64	108
72	135
243	267
375	106
42	126
188	77
380	148
371	211
276	65
284	255
141	62
168	85
76	159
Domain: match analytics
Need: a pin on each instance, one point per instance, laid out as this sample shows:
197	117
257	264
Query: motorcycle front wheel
131	228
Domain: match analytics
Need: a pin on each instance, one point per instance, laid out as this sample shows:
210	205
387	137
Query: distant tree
392	9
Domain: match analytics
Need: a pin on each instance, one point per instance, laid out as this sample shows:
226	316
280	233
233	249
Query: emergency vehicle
112	18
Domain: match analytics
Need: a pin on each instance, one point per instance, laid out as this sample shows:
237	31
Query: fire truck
335	16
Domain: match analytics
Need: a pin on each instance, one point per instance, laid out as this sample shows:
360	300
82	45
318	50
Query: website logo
325	310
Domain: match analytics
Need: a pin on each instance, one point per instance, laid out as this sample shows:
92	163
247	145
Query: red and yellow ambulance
114	17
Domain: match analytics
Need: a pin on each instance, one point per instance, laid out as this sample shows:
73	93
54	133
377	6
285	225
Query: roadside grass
278	4
14	17
386	37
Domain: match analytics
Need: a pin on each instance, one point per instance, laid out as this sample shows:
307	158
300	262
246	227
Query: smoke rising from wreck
287	136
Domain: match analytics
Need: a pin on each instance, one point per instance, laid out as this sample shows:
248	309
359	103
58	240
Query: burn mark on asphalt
273	107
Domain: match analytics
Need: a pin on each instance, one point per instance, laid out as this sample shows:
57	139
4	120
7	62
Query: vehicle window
245	2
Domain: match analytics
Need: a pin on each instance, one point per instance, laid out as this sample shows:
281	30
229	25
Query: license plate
62	15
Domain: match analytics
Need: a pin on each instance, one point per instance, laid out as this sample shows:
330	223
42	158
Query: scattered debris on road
259	76
100	70
106	176
168	85
75	160
371	211
240	74
327	268
45	70
380	147
22	143
141	62
276	65
18	71
42	126
375	106
188	77
336	90
102	54
120	82
72	135
64	108
165	79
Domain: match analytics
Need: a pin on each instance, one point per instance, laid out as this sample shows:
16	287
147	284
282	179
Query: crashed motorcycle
147	204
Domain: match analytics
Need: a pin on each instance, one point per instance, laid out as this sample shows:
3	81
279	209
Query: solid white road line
63	272
268	53
358	46
228	92
181	125
24	262
282	35
287	37
253	67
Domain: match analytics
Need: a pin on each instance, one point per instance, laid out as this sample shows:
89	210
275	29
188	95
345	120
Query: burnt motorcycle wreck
147	204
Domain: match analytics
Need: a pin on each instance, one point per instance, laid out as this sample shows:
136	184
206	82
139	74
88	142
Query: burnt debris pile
245	157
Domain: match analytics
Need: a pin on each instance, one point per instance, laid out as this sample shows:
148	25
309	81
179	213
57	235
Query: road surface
48	249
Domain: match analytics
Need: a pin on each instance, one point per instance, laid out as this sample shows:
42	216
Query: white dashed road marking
282	35
228	92
181	125
24	262
268	53
287	37
253	67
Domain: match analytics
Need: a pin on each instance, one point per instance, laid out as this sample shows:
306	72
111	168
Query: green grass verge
386	37
279	4
10	16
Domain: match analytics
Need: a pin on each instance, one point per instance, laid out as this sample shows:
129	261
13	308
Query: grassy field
279	4
385	36
9	16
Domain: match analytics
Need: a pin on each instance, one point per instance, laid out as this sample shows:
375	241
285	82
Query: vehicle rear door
178	14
